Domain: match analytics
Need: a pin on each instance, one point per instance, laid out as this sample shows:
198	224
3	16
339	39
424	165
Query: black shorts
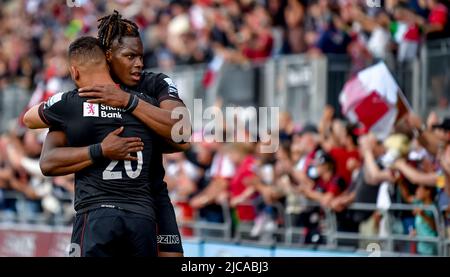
112	232
169	239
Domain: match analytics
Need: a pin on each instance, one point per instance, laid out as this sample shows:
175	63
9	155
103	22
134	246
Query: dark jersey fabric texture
133	186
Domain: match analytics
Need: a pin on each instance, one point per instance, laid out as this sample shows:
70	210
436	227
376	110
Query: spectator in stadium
220	173
328	184
305	145
242	193
294	14
203	156
342	146
424	224
334	38
286	127
443	198
258	40
181	176
365	187
268	193
406	33
437	25
379	41
24	157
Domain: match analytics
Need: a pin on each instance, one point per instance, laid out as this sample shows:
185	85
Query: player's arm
171	147
57	159
32	120
157	118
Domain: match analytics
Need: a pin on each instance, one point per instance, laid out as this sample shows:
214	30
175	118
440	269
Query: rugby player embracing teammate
115	210
123	49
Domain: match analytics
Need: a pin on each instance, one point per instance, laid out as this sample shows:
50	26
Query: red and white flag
373	99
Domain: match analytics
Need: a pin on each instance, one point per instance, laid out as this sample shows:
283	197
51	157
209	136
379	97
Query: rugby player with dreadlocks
123	49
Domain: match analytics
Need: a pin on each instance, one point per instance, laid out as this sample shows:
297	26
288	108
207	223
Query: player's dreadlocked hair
113	27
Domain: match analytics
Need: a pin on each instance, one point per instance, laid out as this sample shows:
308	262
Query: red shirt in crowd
331	185
261	50
237	186
438	15
341	156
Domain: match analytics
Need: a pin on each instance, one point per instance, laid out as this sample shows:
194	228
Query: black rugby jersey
122	184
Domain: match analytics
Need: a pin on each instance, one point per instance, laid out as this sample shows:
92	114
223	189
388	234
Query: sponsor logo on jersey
168	239
96	110
54	99
90	109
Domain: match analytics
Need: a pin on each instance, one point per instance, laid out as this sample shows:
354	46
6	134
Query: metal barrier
332	235
202	228
391	237
19	212
286	231
435	70
446	230
291	229
245	227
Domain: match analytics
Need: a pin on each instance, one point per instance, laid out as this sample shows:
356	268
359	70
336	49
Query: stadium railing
204	229
330	232
16	208
286	231
390	236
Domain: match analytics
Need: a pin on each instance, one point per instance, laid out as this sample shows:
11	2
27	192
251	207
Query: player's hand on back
115	147
110	95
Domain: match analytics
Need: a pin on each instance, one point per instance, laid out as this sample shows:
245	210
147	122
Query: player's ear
74	73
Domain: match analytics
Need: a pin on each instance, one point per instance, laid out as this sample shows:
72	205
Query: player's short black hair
113	27
86	49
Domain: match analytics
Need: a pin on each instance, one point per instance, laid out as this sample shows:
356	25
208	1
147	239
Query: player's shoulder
61	97
153	76
154	79
158	85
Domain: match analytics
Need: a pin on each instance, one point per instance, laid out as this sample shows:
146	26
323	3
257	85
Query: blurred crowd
35	33
331	164
321	168
26	195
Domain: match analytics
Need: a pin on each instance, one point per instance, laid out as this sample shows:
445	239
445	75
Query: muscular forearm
171	147
65	160
32	120
61	171
155	118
